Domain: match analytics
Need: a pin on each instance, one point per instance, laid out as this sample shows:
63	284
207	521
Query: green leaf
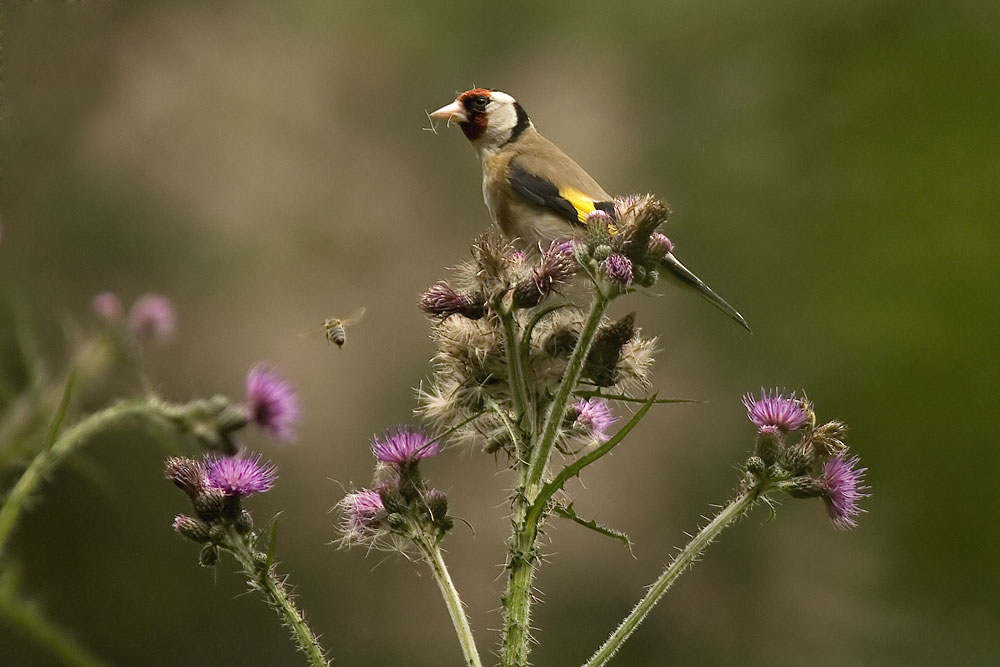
61	410
589	393
567	512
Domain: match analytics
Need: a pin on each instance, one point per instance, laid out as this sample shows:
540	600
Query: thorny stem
687	556
523	558
432	553
265	580
46	460
515	371
543	449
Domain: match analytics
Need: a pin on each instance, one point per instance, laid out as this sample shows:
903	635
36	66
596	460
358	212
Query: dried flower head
441	300
152	317
595	417
843	483
187	474
272	403
404	445
775	413
240	476
362	517
107	306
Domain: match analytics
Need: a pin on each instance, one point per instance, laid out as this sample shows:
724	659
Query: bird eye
481	101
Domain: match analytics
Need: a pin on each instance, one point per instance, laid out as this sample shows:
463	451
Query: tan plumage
533	190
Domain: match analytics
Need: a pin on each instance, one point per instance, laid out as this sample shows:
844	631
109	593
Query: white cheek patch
502	115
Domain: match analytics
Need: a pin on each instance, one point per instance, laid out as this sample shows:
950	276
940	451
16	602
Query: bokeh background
834	171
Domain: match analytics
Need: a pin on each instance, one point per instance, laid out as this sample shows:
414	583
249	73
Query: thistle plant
528	368
525	372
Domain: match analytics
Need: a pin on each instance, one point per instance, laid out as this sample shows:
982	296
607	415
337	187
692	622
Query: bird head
488	118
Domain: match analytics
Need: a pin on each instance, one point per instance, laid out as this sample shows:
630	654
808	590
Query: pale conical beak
450	112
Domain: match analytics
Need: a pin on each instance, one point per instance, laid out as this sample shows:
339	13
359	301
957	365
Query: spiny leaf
567	512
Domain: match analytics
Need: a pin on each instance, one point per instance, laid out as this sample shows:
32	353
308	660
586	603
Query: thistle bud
659	246
187	474
396	521
208	556
244	522
755	465
602	252
600	228
803	487
437	503
602	361
260	560
799	458
392	499
191	528
209	504
217	533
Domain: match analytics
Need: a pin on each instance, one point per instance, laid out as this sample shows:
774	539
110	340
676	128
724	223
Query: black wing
546	193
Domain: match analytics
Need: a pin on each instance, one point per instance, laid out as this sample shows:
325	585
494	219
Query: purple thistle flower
107	306
618	268
775	413
152	317
362	513
441	300
660	245
595	417
240	477
843	484
403	445
272	403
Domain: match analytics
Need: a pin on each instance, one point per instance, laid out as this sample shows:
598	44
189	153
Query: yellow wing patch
583	204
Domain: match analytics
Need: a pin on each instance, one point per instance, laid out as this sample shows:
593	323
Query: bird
533	190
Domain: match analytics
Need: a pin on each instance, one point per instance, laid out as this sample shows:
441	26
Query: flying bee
335	328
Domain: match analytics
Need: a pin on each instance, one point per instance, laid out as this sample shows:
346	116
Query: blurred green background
834	171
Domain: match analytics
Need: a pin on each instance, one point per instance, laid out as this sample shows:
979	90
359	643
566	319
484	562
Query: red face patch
474	102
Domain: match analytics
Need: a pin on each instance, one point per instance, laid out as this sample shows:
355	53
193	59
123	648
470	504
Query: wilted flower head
240	476
362	514
403	445
272	403
187	474
107	306
441	300
774	413
152	317
618	268
843	483
595	417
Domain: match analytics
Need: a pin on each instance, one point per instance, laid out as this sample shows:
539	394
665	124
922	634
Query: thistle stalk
262	577
435	559
733	511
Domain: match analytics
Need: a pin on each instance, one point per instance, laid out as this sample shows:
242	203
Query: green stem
432	552
277	596
573	469
33	623
46	460
517	599
726	516
515	370
541	452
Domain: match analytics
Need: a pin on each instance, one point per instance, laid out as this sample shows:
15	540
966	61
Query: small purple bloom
272	403
152	317
843	483
403	445
660	245
595	417
362	513
240	477
107	306
618	269
775	413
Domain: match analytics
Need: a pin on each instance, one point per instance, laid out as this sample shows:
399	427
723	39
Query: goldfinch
533	190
